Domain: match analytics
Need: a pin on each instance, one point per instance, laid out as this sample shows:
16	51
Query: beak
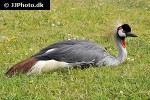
131	34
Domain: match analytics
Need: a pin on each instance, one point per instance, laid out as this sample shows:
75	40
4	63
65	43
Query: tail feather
23	66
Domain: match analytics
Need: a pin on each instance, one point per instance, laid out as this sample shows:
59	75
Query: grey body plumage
75	52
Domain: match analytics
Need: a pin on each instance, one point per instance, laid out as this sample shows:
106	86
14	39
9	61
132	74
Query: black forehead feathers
126	27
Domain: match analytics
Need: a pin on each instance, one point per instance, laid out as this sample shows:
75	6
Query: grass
23	33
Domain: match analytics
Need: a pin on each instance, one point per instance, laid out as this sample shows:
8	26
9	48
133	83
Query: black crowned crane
72	53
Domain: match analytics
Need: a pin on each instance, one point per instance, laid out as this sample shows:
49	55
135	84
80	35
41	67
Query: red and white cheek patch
120	32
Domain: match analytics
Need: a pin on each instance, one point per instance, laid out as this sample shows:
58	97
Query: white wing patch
50	50
49	65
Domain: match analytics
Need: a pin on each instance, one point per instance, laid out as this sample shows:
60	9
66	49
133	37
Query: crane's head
124	31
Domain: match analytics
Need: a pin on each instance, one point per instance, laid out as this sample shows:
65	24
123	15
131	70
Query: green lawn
23	33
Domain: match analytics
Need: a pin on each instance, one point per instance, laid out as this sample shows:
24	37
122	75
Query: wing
74	52
59	45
